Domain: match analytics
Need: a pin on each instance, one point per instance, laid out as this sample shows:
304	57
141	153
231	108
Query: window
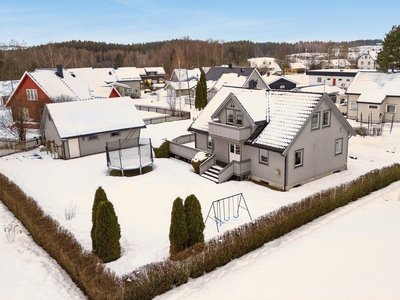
93	137
209	142
315	121
238	149
319	79
353	105
264	156
390	108
347	79
239	118
31	94
229	116
338	146
340	79
282	87
373	106
366	56
298	158
326	119
328	79
369	63
116	133
362	62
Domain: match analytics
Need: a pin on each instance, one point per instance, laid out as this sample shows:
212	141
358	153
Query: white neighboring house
333	77
336	63
367	61
6	89
180	75
268	63
82	128
376	95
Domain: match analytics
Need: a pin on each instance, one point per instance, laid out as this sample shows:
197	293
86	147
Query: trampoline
129	154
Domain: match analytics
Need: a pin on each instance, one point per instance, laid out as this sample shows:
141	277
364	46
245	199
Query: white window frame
312	119
353	105
209	142
387	108
300	164
282	87
338	146
227	116
373	106
319	79
239	118
31	94
264	157
329	118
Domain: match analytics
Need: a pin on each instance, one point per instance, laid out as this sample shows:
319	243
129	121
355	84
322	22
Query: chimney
59	72
230	65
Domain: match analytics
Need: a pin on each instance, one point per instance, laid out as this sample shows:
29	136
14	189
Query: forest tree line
16	58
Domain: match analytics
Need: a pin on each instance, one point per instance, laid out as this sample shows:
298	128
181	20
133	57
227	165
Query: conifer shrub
194	220
178	232
162	151
198	159
99	196
107	233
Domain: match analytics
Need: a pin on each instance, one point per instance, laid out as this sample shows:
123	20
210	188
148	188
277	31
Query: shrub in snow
361	131
194	220
99	196
198	159
70	211
107	233
163	150
178	233
11	231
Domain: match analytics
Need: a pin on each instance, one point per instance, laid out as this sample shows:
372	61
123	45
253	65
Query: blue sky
133	21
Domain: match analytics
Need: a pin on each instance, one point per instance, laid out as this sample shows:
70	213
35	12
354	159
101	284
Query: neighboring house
183	88
296	68
152	75
58	85
276	82
82	128
367	61
217	77
374	96
280	138
267	64
126	79
180	75
336	63
6	89
333	77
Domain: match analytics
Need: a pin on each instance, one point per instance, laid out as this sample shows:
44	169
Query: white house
268	63
367	60
333	77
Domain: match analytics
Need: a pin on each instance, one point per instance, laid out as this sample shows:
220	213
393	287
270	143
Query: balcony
229	132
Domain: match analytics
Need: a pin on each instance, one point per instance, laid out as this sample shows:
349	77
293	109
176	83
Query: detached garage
82	128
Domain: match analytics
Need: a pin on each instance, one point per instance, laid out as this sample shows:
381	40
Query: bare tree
14	122
63	98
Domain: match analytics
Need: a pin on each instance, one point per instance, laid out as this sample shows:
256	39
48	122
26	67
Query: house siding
318	146
277	85
35	107
351	114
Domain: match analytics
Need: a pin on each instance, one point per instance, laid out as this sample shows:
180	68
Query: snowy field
143	205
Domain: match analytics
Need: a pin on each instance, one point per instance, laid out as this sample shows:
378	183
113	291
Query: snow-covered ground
26	270
143	203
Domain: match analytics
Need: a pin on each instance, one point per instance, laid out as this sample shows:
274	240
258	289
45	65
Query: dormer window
239	118
234	117
229	116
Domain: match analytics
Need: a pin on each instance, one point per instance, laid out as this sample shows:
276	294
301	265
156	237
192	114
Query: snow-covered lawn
143	203
27	271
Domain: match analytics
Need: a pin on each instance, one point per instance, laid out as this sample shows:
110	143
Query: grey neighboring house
374	96
281	138
82	128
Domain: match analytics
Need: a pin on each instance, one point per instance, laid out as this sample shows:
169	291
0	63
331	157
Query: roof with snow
322	88
186	74
215	73
144	71
82	118
265	62
285	111
272	78
184	85
375	87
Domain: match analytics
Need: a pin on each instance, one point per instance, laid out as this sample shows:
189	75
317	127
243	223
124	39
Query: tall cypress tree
108	233
99	196
201	92
194	220
178	233
198	100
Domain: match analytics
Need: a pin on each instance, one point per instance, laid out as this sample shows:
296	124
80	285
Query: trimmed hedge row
157	278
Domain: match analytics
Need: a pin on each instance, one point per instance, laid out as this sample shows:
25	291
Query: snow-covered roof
144	71
272	78
95	116
297	65
184	85
374	87
7	87
265	62
186	74
301	79
322	88
286	112
231	79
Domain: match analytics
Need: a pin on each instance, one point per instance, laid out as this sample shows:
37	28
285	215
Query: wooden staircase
212	173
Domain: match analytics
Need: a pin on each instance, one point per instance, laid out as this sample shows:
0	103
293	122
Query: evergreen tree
178	233
108	233
100	196
389	57
201	92
194	220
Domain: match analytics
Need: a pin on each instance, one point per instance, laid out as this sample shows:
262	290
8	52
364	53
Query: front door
334	82
234	152
73	145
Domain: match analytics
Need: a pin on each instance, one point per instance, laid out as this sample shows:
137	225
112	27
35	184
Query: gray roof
215	73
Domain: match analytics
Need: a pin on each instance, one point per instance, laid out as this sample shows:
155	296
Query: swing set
225	208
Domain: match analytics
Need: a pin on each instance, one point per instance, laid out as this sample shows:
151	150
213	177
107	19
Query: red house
57	85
